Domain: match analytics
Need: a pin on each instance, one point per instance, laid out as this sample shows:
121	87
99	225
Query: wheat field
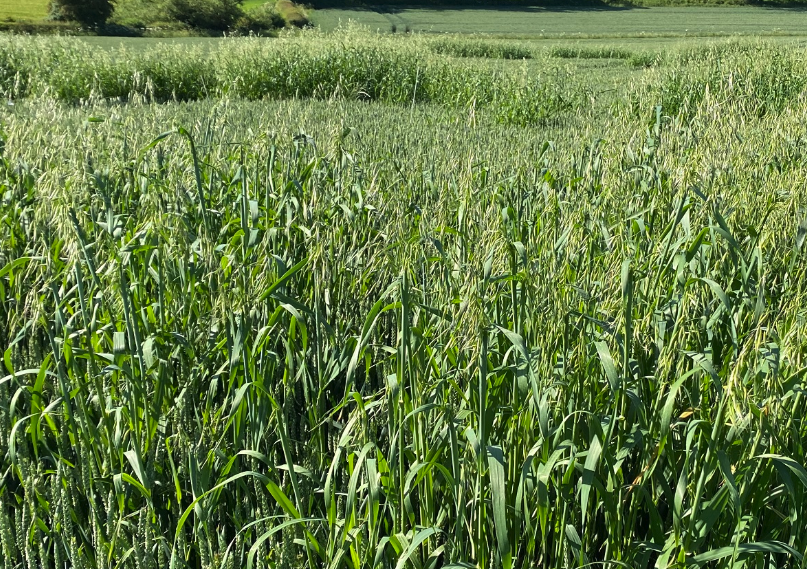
355	302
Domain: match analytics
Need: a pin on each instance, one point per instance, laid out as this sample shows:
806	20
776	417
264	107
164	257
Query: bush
121	30
141	13
219	15
261	19
292	13
88	12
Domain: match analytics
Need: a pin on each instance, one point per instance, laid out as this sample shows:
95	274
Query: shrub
293	13
140	13
88	12
219	15
261	19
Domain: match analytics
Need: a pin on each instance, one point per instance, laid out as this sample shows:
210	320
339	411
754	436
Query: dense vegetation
353	65
400	331
90	12
136	17
211	15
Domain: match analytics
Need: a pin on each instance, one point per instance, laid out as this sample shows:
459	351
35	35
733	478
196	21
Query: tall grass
332	334
353	64
729	73
585	52
475	47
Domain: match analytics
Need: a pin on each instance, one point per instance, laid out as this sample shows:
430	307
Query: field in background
23	9
611	22
535	22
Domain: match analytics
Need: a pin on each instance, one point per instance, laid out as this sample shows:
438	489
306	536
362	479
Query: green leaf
263	537
754	547
137	465
283	279
589	472
784	461
499	495
419	538
717	289
608	365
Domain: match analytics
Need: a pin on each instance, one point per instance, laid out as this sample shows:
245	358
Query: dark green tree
206	14
88	12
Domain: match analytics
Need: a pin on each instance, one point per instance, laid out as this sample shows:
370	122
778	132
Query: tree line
206	14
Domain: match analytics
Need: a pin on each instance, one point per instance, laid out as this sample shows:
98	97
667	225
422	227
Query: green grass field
31	10
350	301
532	22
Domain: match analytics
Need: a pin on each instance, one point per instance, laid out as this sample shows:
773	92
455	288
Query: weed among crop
590	52
467	47
730	73
354	66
